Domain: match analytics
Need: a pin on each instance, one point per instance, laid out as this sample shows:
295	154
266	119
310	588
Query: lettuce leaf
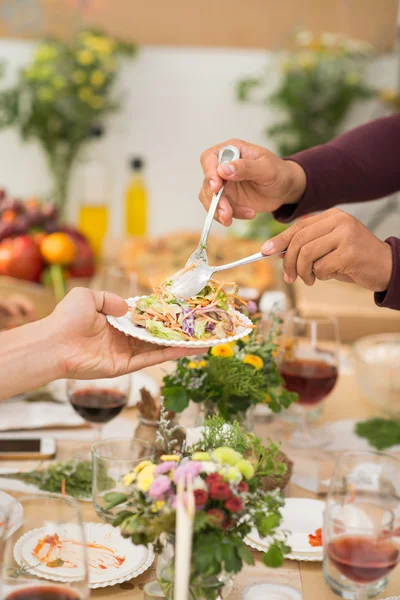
159	330
199	328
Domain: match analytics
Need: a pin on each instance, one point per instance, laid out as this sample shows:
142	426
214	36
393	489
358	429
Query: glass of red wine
100	400
45	558
361	533
308	363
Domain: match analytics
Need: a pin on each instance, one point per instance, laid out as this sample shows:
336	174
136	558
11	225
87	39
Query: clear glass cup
49	543
98	401
112	460
309	364
119	281
361	533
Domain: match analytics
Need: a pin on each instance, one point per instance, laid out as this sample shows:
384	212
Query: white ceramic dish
301	517
126	325
137	559
272	591
8	503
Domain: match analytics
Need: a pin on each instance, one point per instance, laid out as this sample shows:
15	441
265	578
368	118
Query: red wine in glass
41	592
97	405
363	559
313	380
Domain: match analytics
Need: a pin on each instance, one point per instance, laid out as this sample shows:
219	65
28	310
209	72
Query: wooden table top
344	402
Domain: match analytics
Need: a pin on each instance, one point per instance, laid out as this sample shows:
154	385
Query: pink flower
175	500
189	470
160	487
165	467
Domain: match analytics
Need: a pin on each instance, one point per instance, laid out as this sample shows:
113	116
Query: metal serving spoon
192	282
199	256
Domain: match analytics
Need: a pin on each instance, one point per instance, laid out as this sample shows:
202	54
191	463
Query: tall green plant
61	95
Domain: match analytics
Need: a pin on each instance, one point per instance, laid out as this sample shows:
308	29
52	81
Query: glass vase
208	409
215	587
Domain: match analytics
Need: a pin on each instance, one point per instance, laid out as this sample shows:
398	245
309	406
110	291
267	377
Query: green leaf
245	554
176	398
380	433
273	557
113	499
267	524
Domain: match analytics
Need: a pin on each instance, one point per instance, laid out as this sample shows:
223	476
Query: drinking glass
120	282
308	363
112	460
50	544
361	534
98	401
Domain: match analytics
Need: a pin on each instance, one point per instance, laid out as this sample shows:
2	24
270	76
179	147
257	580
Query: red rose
213	478
217	514
200	497
243	487
234	504
220	491
228	524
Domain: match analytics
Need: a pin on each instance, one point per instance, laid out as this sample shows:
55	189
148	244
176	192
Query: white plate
138	381
126	325
8	503
137	559
301	517
272	591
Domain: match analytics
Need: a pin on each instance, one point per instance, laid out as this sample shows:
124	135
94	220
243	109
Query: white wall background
177	102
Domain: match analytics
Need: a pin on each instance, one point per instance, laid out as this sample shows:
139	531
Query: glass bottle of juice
136	201
94	205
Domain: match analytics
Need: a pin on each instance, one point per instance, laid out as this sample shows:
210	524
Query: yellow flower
200	364
145	478
267	399
79	77
129	478
246	468
201	456
46	94
254	361
142	465
97	78
99	44
110	64
96	102
246	339
226	456
306	61
45	52
159	505
231	474
168	457
85	57
85	94
58	82
44	72
223	350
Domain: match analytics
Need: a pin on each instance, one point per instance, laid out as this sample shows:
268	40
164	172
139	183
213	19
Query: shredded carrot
63	486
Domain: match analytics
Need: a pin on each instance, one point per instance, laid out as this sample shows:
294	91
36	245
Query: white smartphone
27	448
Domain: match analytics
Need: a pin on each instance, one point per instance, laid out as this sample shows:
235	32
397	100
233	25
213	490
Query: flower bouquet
231	378
229	502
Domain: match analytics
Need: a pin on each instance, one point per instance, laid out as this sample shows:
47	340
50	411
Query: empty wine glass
308	363
361	533
100	400
45	558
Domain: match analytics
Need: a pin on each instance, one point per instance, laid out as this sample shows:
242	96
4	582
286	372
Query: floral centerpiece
61	95
231	378
229	502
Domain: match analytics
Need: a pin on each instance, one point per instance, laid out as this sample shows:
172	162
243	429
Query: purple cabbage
210	327
188	323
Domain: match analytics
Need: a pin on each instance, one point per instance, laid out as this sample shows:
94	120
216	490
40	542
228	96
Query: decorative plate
301	517
8	503
106	546
126	325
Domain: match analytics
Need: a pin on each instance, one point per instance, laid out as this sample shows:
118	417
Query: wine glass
308	362
361	534
100	400
50	544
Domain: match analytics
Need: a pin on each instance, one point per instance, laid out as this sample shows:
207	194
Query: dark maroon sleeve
361	165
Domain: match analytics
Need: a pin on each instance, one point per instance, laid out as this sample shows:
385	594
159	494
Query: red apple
84	263
20	257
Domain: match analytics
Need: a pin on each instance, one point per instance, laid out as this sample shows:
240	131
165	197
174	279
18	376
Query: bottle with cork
136	201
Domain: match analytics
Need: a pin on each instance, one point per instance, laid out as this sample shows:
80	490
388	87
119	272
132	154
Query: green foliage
380	433
226	384
61	95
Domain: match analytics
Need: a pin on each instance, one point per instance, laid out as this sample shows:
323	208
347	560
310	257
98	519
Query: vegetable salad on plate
209	315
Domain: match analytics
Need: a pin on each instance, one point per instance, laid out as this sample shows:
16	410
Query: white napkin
17	413
344	438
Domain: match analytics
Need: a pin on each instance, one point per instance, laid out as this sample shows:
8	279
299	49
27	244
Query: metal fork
199	256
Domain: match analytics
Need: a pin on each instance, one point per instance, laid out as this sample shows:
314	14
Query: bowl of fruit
35	246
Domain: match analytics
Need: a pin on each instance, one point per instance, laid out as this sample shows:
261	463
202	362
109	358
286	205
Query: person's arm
357	166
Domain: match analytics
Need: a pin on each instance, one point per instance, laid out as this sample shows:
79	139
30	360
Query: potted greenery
61	95
230	379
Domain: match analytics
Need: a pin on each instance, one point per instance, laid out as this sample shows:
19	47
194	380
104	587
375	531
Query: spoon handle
245	261
226	154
